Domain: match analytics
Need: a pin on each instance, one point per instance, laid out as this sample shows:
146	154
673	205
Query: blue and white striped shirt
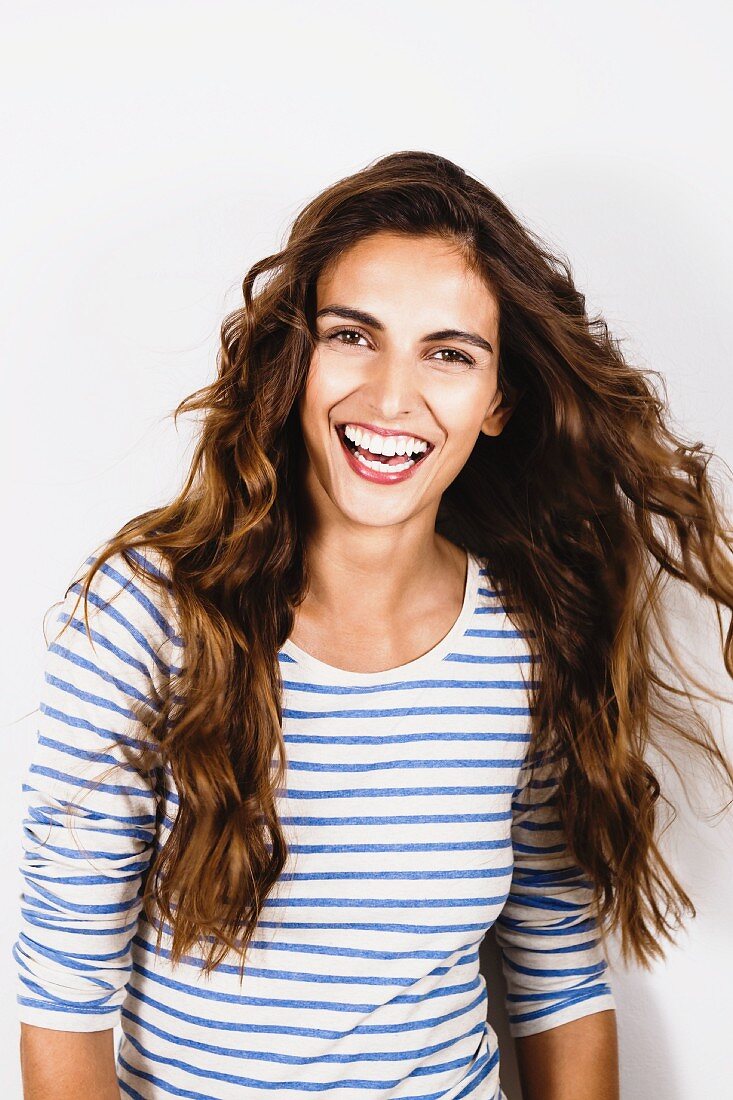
411	832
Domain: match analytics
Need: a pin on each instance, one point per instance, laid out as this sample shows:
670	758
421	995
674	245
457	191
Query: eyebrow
443	334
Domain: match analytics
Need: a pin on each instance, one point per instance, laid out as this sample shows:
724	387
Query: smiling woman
381	677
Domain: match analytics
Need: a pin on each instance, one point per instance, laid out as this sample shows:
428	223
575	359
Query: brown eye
348	332
461	357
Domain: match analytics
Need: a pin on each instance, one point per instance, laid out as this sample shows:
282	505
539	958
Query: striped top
411	832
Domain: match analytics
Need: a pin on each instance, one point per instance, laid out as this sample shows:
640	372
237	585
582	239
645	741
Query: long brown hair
581	507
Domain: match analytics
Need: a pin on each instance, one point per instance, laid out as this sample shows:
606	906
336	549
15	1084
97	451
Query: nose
392	389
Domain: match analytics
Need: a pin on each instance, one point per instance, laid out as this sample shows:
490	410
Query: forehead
399	278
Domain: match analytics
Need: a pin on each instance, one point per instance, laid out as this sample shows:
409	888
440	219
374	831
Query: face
396	367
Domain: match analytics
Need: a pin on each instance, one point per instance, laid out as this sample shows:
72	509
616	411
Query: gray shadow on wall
654	1074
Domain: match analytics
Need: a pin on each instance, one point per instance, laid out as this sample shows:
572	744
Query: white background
153	151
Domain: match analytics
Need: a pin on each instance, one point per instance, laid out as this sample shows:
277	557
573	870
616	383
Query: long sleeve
548	939
89	824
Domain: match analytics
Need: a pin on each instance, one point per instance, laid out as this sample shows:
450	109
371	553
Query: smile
384	469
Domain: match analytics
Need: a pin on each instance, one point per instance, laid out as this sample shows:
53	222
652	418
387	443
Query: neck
379	578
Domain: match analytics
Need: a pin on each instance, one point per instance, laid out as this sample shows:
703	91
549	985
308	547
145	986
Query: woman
378	679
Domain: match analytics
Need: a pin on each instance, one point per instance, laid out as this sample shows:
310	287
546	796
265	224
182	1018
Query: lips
384	476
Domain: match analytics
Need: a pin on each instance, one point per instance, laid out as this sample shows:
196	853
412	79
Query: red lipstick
382	477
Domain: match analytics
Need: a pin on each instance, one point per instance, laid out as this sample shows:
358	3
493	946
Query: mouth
378	468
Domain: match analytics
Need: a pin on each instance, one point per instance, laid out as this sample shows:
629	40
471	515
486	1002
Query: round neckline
419	664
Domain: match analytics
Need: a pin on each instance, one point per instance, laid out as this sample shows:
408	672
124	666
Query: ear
499	412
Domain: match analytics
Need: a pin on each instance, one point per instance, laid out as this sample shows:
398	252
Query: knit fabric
411	831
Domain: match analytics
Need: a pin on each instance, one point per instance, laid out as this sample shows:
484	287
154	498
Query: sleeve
90	815
547	935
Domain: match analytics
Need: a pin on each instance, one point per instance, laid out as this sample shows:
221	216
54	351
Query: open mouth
385	462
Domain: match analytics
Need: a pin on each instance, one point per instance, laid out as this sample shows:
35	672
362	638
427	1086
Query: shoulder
127	597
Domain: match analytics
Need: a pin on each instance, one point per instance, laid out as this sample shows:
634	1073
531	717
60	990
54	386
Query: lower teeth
385	465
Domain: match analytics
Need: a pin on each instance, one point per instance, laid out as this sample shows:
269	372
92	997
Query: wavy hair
582	507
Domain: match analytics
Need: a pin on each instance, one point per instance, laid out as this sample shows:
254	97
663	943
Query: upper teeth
384	444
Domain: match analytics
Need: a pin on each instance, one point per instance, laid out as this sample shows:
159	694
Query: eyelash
465	358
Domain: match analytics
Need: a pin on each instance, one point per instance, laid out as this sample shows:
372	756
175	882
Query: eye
462	358
347	332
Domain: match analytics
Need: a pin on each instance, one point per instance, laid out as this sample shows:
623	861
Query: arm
88	833
575	1061
560	1006
63	1065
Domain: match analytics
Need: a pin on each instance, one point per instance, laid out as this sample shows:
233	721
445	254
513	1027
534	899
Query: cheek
324	388
462	420
311	402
